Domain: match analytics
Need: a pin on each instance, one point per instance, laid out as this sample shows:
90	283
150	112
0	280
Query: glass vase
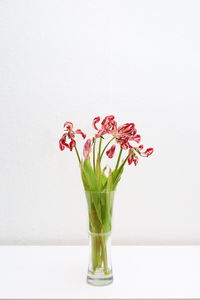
100	208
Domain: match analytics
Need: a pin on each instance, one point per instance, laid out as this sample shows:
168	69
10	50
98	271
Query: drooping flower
69	134
133	159
87	148
110	152
127	132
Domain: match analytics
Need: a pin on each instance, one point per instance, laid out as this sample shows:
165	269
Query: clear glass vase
100	208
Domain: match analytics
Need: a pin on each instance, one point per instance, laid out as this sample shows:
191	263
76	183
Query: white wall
73	60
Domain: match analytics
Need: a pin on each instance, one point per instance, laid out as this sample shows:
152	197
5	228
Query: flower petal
140	147
96	120
72	144
111	151
130	159
136	138
107	119
79	131
70	135
148	152
135	160
126	128
124	144
62	142
100	133
61	145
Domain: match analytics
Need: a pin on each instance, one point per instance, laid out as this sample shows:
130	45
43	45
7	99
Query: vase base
100	279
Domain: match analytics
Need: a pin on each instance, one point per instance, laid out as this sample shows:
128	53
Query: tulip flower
69	134
111	151
133	159
87	148
108	125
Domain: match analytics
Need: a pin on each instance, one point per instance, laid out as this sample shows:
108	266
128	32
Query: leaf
84	180
109	182
91	183
88	176
103	180
116	176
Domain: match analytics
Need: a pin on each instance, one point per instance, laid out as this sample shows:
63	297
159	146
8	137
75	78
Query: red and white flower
108	125
111	151
133	159
69	134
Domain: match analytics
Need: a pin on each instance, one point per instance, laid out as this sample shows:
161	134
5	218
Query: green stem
99	253
106	147
122	165
77	155
118	160
94	253
99	152
94	153
98	166
104	255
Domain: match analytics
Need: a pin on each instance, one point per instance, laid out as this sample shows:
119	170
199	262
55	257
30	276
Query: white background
74	60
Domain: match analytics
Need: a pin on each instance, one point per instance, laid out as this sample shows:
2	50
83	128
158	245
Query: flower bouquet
100	183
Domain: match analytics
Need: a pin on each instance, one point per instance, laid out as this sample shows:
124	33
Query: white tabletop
59	272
